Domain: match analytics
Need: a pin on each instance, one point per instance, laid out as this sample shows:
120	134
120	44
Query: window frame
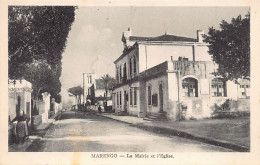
219	86
188	84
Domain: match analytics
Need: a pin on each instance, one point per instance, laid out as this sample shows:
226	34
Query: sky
94	41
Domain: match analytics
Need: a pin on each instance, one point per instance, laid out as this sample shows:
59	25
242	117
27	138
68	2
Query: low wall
197	108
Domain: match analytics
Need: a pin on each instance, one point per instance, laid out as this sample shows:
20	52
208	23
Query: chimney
171	58
200	34
127	33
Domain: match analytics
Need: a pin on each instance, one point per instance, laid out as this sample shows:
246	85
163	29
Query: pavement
74	132
228	133
88	132
35	135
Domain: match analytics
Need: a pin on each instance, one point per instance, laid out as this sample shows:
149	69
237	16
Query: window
124	70
149	92
120	98
90	79
117	75
189	87
117	100
134	64
130	66
218	87
130	97
135	96
120	73
244	89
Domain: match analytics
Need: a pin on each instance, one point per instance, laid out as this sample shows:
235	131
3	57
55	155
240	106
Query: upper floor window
124	74
218	87
134	64
120	73
190	87
149	93
117	74
130	66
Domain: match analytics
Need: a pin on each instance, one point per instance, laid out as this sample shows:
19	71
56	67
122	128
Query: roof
165	37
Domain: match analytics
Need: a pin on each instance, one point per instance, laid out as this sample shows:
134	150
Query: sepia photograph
118	78
129	82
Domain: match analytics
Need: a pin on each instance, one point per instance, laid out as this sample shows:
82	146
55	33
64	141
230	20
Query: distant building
95	91
170	75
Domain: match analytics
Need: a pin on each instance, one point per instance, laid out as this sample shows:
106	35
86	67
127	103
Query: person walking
21	126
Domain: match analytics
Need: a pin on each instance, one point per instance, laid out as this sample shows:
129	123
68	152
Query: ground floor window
149	91
130	97
218	87
120	98
135	96
190	87
244	88
117	98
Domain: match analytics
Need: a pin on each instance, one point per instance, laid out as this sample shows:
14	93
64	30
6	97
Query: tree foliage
37	39
108	82
230	47
77	92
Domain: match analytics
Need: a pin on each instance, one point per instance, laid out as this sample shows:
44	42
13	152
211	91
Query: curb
175	132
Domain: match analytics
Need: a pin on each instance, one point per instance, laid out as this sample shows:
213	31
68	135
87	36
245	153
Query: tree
77	92
108	82
36	40
230	47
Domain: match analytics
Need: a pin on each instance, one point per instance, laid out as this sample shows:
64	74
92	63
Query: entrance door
161	97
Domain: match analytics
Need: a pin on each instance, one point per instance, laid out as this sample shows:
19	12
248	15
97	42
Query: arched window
190	87
149	93
218	87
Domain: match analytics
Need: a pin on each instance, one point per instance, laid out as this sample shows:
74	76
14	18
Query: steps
160	116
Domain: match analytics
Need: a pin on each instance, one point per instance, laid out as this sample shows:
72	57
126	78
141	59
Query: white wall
154	83
201	53
99	92
152	55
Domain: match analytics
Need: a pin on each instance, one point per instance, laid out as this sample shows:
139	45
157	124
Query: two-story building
170	75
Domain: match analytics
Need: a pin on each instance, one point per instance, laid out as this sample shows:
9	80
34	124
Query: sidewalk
35	135
229	133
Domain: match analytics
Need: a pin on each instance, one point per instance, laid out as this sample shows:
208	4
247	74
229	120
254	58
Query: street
86	132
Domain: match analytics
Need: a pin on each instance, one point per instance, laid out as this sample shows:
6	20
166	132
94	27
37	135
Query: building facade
95	91
170	75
